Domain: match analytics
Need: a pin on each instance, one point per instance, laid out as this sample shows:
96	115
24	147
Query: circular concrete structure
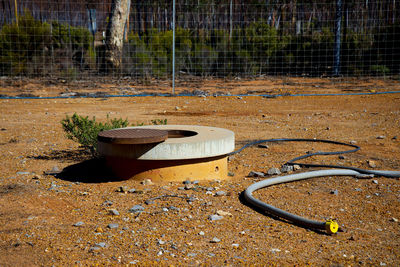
189	152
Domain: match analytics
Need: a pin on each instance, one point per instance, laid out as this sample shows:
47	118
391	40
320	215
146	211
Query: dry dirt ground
62	220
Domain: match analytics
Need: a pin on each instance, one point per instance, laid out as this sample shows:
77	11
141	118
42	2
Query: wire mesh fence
213	38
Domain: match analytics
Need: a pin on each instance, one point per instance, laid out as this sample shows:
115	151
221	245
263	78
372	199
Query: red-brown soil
38	211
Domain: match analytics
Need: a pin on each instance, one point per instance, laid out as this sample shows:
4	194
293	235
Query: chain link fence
213	38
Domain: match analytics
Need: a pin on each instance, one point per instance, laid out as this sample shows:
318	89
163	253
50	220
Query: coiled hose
330	226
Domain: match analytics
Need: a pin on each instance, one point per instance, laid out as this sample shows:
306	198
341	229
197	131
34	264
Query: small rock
215	217
296	167
286	168
37	177
78	224
358	189
334	192
273	250
55	169
231	174
189	186
215	240
394	137
273	171
132	190
235	245
353	142
262	146
187	182
136	209
190	200
381	137
223	213
160	242
31	140
256	174
107	203
101	245
394	220
149	202
113	212
352	238
173	208
147	182
220	193
113	225
99	230
122	189
371	163
23	173
342	157
375	181
201	233
94	249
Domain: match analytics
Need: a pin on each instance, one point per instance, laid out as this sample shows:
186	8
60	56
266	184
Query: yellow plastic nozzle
331	226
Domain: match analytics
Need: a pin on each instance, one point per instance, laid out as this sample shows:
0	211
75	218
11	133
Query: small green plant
83	130
380	70
159	122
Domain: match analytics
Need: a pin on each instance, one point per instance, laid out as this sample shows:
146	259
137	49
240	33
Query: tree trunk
115	34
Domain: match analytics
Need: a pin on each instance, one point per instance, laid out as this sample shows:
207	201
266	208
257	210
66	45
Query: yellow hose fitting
331	226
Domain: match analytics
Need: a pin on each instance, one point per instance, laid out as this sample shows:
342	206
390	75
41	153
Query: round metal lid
132	136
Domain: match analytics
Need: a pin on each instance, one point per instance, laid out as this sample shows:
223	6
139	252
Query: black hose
330	226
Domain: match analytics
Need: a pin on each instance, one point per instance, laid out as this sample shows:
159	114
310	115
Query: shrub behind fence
213	38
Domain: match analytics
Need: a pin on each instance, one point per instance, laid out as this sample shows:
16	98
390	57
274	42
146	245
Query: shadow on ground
88	171
65	155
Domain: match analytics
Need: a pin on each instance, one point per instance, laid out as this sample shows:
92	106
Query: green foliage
159	122
380	70
20	42
31	47
83	130
64	35
26	46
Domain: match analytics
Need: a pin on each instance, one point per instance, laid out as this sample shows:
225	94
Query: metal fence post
173	47
338	22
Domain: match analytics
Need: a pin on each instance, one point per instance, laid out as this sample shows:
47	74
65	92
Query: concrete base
189	153
170	170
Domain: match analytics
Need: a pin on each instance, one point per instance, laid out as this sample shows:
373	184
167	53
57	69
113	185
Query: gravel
101	245
215	217
113	226
215	240
256	174
220	193
273	171
113	212
286	168
136	209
